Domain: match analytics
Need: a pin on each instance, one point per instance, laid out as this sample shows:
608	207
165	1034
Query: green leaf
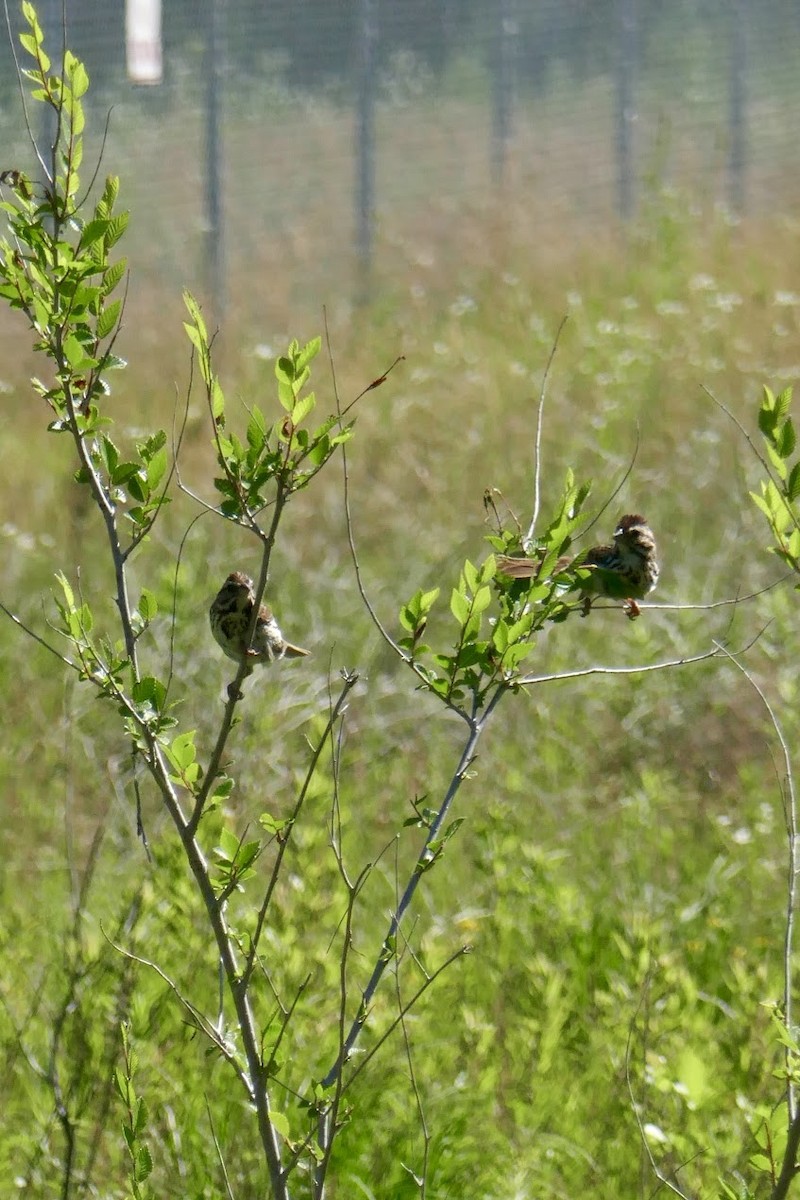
149	690
110	192
228	845
302	408
108	318
113	274
256	430
144	1163
459	607
793	483
308	352
783	403
786	440
247	855
427	600
482	600
280	1124
766	415
272	824
470	575
222	789
156	468
148	606
116	227
124	473
66	588
109	452
93	231
182	752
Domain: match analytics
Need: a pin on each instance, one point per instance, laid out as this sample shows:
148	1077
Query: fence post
215	229
502	74
625	113
367	46
737	110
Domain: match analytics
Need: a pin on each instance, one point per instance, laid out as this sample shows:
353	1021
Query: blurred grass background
623	856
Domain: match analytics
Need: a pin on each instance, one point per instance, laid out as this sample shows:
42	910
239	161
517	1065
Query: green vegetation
615	853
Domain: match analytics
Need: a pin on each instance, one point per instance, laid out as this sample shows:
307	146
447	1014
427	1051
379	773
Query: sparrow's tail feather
291	651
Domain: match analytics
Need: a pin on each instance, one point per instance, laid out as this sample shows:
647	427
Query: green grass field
621	873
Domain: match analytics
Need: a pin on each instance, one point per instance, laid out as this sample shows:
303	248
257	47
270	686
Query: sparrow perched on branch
626	569
230	615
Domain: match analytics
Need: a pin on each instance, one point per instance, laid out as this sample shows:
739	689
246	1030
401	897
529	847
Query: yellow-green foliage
621	866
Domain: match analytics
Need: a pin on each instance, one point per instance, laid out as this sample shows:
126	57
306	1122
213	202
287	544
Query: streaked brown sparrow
626	569
230	615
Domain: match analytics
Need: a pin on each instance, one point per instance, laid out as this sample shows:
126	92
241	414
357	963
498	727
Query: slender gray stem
424	860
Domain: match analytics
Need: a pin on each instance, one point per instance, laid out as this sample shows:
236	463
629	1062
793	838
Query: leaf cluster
498	618
780	492
273	458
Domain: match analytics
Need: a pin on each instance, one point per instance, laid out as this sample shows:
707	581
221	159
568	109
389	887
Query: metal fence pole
502	72
51	17
625	113
215	230
737	111
367	46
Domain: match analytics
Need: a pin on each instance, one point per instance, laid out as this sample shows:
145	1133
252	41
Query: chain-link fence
315	132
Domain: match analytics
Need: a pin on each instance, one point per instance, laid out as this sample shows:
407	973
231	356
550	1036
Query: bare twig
426	858
12	41
199	1020
336	710
421	1180
613	495
789	797
635	1105
427	983
537	446
32	634
641	669
218	1148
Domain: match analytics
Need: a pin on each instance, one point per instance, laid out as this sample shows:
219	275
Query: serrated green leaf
782	404
217	402
113	274
302	408
247	855
149	690
66	588
93	231
470	574
124	473
182	750
148	605
108	318
459	607
144	1163
308	352
228	845
256	430
482	600
222	789
110	191
786	440
156	468
502	635
767	421
793	483
109	453
488	569
427	600
271	824
280	1123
